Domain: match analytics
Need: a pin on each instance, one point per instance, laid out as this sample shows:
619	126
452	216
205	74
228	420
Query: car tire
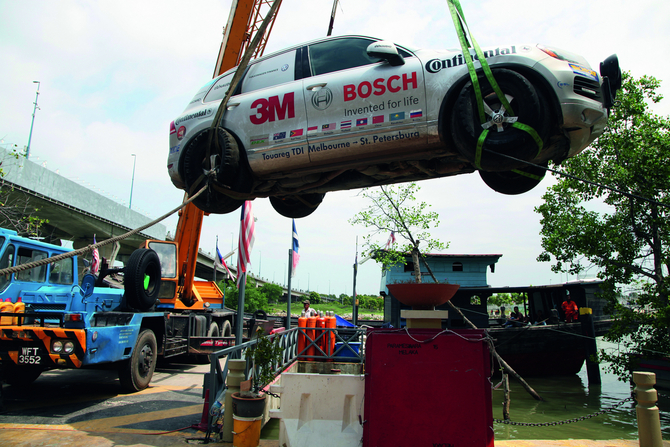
296	206
514	182
527	105
194	165
135	373
142	293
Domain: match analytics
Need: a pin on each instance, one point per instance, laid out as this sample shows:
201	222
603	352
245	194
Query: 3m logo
272	109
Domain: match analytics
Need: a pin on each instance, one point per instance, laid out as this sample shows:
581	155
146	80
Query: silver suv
353	111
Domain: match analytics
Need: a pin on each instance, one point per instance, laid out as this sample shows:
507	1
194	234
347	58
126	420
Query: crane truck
55	316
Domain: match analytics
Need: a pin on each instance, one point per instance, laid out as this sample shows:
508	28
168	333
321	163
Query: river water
571	397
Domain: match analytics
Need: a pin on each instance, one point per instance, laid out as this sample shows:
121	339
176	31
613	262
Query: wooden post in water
235	376
648	419
506	396
589	330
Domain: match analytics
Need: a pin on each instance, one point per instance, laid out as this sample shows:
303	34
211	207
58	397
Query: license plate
30	356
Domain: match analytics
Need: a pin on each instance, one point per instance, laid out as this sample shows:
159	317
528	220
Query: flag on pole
391	240
95	265
222	262
296	247
246	241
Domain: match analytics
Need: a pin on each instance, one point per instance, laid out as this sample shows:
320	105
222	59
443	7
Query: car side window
339	54
218	91
35	274
273	71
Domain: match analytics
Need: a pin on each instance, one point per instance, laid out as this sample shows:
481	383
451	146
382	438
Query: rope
81	251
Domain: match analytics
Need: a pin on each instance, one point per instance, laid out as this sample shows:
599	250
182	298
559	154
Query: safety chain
567	421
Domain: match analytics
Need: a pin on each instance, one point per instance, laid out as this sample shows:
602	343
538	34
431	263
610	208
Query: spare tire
142	279
516	181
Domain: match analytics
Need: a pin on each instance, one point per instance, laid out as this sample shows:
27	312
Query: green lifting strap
461	25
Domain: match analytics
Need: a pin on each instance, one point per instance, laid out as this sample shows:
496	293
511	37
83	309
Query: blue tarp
341	322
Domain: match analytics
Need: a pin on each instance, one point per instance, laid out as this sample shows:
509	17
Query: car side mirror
611	74
387	51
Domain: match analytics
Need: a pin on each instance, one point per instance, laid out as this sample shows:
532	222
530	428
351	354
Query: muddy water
572	397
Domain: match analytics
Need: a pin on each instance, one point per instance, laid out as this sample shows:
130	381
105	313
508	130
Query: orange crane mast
244	20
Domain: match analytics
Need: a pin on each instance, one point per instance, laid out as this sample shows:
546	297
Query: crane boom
243	21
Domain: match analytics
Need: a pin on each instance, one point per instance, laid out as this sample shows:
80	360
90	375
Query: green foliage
505	299
273	292
266	356
345	299
314	297
619	234
254	298
392	208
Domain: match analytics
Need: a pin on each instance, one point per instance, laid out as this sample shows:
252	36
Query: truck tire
135	373
226	329
20	375
142	279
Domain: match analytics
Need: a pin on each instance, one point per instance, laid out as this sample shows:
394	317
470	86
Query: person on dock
308	310
570	309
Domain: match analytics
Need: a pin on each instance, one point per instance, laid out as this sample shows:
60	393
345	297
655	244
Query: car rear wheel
517	181
296	206
225	160
528	108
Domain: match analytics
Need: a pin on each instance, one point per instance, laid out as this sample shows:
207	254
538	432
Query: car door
359	108
268	115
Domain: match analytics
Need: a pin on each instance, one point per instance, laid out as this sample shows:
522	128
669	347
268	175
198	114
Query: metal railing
215	380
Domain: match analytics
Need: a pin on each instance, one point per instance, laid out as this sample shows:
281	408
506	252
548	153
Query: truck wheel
135	373
19	375
213	331
226	329
142	279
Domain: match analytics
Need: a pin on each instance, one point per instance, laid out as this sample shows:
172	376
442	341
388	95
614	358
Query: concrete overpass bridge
76	213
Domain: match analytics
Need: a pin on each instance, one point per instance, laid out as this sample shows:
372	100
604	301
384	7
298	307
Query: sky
113	74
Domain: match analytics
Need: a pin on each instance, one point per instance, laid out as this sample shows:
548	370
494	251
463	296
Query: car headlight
68	347
57	347
562	55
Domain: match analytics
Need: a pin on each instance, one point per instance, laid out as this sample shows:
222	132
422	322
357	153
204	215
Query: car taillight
72	317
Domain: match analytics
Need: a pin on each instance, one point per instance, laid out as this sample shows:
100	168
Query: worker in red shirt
570	309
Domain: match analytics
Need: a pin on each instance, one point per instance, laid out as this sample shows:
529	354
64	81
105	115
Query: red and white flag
95	265
391	240
246	240
222	262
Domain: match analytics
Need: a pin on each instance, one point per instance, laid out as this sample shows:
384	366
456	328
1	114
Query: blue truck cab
70	319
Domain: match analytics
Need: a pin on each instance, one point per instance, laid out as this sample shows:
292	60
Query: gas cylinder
6	307
321	324
332	324
311	324
19	308
302	325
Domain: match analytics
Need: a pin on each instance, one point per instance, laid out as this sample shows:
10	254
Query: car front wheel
516	181
528	108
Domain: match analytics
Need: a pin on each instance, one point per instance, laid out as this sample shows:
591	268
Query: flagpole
354	312
288	300
240	309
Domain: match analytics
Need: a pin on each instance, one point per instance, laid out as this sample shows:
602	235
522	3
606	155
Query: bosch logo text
379	86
